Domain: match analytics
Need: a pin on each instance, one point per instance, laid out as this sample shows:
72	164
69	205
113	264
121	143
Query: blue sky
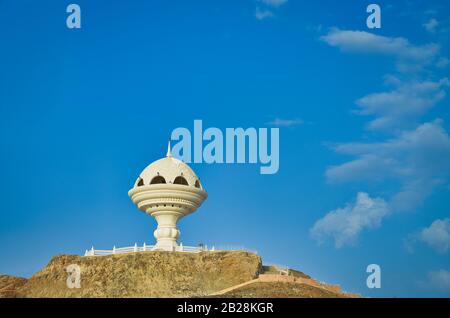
363	115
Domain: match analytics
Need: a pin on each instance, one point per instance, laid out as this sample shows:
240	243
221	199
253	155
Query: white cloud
274	3
267	8
409	57
365	42
345	224
437	235
279	122
263	14
418	159
439	280
431	25
402	105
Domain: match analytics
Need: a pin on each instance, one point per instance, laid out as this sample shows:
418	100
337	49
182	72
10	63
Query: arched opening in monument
158	179
140	182
197	184
180	180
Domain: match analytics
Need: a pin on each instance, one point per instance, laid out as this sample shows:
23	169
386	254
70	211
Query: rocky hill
166	274
9	285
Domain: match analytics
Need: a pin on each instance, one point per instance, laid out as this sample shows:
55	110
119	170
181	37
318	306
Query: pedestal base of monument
169	246
166	234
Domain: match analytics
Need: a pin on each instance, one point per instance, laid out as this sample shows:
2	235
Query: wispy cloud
439	280
403	105
344	225
266	8
417	159
280	122
274	3
436	236
263	14
431	25
407	54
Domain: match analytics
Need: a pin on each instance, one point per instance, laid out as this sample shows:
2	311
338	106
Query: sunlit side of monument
168	190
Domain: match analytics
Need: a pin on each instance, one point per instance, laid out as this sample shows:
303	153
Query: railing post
135	247
213	249
144	247
86	253
114	249
92	251
181	247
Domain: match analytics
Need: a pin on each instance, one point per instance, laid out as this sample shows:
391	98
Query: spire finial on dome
169	153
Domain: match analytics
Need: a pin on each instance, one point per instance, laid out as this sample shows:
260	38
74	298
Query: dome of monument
168	170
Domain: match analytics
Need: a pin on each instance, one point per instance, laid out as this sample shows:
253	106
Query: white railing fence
145	248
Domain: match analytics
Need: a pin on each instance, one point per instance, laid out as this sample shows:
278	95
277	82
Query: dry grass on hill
156	274
9	285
